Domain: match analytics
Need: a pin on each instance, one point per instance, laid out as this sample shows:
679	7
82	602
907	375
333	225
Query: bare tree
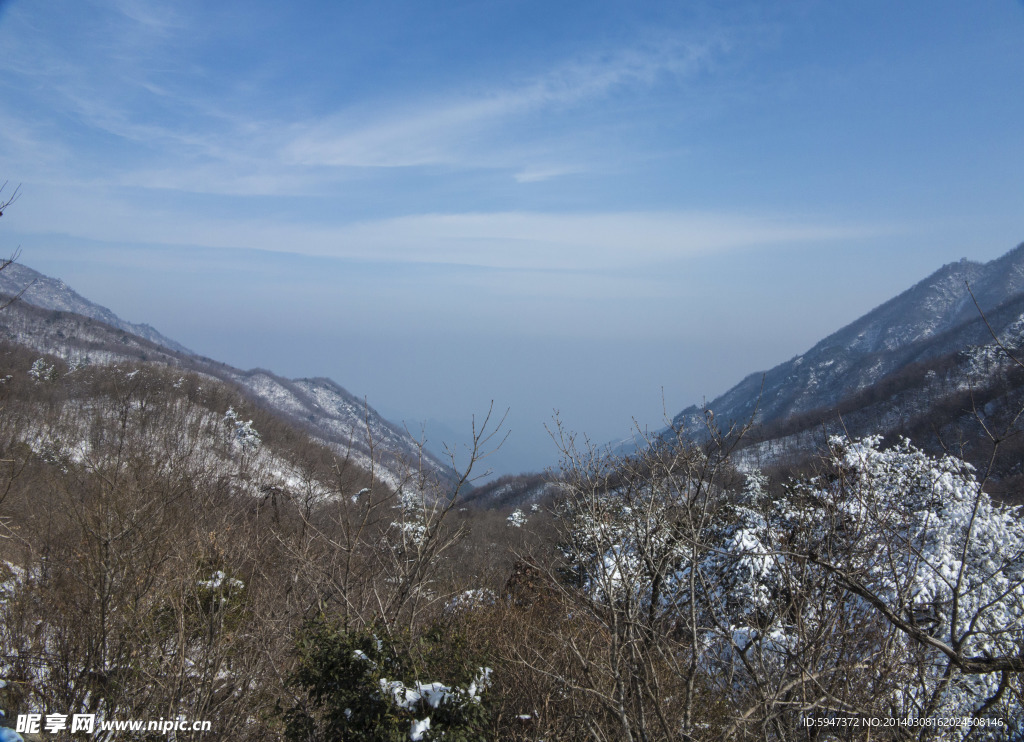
372	554
5	262
888	586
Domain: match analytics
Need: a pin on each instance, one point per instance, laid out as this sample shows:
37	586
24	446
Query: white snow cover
218	580
433	695
419	728
915	531
470	599
517	519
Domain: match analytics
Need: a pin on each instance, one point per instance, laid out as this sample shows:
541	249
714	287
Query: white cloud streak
178	138
503	240
463	129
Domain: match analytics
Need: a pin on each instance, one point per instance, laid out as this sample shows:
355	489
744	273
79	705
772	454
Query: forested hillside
164	541
182	542
171	551
320	406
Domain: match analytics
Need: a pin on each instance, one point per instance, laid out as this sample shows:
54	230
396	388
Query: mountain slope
932	318
51	293
319	406
966	400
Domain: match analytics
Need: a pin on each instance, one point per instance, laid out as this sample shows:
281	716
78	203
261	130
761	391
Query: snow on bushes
359	685
243	434
892	575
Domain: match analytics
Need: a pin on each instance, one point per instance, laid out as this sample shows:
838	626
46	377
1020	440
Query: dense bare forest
175	554
171	551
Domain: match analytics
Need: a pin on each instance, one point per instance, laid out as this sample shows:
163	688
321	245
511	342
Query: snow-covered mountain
52	318
965	400
933	318
334	415
51	293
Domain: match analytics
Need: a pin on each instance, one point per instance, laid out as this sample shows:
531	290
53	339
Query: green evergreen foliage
359	684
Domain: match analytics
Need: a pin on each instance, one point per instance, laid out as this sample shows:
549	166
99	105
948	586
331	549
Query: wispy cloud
634	241
172	133
568	241
534	174
156	17
467	129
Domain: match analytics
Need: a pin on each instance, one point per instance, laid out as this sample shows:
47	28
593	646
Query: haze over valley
611	212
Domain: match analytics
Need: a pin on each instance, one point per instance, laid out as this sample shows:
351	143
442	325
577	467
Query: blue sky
589	207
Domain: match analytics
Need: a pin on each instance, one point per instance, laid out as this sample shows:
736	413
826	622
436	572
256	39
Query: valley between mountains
837	537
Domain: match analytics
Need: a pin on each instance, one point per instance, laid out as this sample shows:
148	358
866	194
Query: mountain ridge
44	318
874	345
43	291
